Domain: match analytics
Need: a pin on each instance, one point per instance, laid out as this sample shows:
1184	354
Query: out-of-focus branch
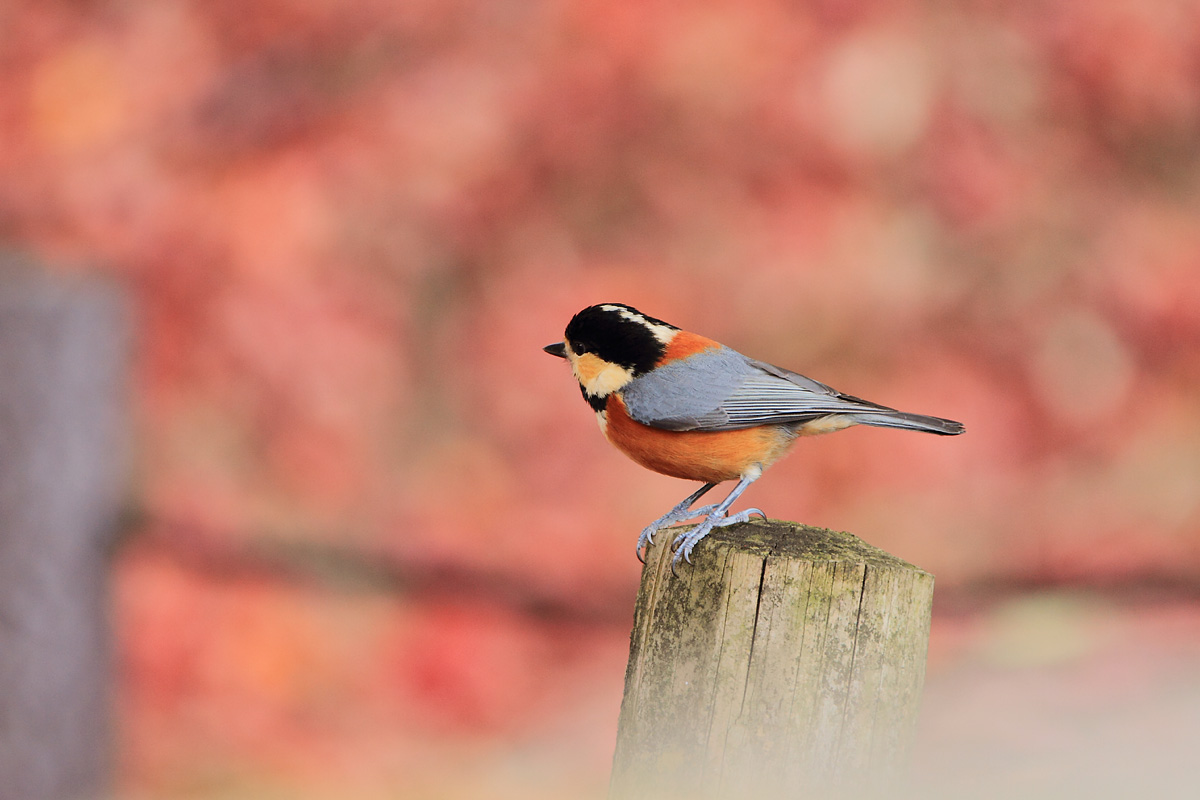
277	557
223	557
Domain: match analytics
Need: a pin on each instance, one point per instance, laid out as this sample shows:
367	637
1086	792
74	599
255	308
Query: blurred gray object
63	356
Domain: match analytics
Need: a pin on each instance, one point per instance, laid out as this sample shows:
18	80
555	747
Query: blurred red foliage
349	228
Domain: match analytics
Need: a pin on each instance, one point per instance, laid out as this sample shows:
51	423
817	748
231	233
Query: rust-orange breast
708	456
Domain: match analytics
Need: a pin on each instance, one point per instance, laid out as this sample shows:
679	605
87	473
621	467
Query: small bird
687	406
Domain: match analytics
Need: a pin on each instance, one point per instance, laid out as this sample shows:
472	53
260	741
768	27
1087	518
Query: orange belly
708	456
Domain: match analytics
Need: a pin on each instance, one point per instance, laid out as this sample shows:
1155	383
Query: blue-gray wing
721	389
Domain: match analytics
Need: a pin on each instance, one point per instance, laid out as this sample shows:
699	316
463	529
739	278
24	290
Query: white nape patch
663	333
602	419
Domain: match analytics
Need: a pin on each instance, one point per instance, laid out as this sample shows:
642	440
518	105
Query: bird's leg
716	519
676	514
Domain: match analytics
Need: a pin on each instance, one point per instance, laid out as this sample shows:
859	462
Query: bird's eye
580	348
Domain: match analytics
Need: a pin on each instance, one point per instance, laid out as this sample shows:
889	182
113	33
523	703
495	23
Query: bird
687	406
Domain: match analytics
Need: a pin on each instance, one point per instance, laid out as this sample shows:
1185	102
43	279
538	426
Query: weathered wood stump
63	347
788	661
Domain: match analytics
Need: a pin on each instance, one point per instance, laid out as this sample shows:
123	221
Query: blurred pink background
381	548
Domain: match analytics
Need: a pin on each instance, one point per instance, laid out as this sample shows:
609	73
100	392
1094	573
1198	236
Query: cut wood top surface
781	538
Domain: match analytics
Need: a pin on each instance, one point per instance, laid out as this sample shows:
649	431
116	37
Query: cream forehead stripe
663	333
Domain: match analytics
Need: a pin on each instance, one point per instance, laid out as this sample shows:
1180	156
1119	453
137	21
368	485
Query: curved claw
649	540
644	542
680	539
682	554
686	541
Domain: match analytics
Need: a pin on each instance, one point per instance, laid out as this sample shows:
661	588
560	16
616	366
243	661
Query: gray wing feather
722	389
688	394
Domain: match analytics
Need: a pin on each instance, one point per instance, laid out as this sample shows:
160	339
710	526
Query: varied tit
686	406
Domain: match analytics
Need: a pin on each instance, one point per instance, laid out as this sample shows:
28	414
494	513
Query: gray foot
677	514
686	541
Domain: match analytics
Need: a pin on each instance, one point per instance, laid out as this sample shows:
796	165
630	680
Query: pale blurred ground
1064	694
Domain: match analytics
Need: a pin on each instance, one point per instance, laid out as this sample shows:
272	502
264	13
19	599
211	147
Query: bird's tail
909	422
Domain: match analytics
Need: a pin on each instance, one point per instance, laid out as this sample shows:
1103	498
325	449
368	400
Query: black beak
557	349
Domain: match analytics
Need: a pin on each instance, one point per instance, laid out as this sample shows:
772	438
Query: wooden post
787	662
62	386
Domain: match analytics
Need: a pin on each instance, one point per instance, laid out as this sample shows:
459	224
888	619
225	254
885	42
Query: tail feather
910	422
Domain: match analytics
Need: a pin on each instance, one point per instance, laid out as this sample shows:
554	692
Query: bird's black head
619	334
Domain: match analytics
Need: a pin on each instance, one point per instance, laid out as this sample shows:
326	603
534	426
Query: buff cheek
599	378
